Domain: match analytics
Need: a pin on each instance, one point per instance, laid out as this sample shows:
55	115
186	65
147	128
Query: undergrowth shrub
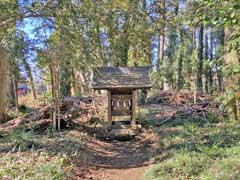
180	166
225	168
198	152
21	140
213	151
65	145
36	166
24	109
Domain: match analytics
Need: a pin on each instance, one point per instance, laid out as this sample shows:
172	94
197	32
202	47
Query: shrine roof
136	77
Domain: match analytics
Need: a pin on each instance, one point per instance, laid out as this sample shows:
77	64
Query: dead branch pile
179	105
78	108
200	111
178	98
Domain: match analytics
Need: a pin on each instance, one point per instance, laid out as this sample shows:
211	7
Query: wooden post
133	122
109	108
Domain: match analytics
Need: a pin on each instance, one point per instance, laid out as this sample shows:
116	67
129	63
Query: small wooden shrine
122	84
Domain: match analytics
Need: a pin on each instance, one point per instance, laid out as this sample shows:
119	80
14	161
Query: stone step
123	134
124	126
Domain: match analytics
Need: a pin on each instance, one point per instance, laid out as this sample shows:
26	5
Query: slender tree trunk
161	35
65	80
3	84
73	84
84	82
112	59
12	93
220	63
207	68
200	59
173	47
29	73
100	48
211	59
55	83
81	77
230	55
194	73
14	84
161	39
82	88
126	43
231	81
180	62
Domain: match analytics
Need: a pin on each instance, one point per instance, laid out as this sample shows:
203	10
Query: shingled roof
121	77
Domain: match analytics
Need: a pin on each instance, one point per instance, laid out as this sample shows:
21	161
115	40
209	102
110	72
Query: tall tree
206	58
200	59
210	61
180	61
221	38
3	84
161	34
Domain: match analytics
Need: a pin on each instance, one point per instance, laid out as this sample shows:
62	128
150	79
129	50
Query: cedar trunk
211	59
180	63
3	84
200	59
161	39
161	35
207	68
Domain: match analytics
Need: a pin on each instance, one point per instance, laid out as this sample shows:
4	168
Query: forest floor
178	140
118	160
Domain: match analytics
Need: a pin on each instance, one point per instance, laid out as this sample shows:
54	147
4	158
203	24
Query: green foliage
21	140
193	152
24	109
225	168
142	97
50	132
36	166
181	165
65	145
42	156
213	151
198	166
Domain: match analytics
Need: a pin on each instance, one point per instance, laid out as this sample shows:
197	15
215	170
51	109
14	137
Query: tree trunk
29	73
173	45
84	82
12	92
65	80
126	43
161	35
194	73
100	48
220	63
207	68
161	40
3	84
200	59
73	83
230	55
55	82
211	59
180	62
232	81
15	95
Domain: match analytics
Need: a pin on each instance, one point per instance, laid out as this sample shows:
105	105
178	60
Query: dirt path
118	160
